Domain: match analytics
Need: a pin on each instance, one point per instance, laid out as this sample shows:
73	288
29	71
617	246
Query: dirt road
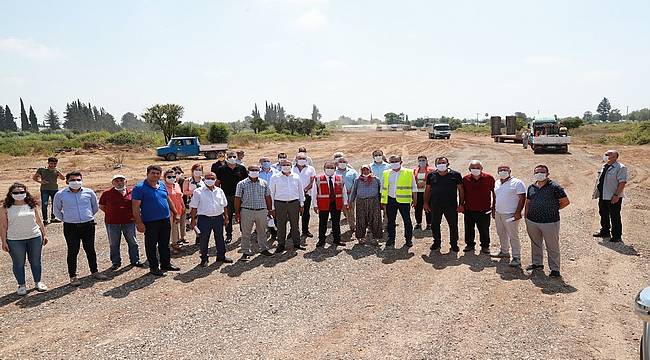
356	302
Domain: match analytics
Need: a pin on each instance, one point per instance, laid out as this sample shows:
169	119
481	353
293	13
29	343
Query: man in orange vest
331	198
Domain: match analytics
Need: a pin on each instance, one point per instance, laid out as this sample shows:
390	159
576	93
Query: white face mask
441	167
120	188
395	166
254	174
209	182
378	159
475	172
342	166
422	163
605	158
231	160
540	176
19	197
504	174
286	169
329	172
170	181
197	173
302	162
75	184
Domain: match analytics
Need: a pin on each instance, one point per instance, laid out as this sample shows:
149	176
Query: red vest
323	196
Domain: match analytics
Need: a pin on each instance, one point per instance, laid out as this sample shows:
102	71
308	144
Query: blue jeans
208	225
115	232
33	249
46	195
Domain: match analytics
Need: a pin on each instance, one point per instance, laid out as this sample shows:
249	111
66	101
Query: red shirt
118	207
478	192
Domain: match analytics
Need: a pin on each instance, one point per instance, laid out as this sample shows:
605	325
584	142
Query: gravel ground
353	302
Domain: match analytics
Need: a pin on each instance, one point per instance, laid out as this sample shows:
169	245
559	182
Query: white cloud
312	20
547	60
28	48
335	64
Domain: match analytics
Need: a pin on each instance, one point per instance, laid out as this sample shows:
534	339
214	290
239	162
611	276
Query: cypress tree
33	120
9	122
24	121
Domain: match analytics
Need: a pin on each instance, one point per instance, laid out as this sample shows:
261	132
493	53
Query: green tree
3	125
165	117
453	123
52	120
639	115
9	123
33	120
391	118
615	115
238	126
315	113
130	121
603	109
588	116
187	130
218	133
572	122
24	120
293	124
258	125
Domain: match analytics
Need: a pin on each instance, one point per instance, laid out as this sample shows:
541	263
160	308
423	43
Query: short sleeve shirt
444	189
544	202
253	193
117	206
478	192
153	202
50	177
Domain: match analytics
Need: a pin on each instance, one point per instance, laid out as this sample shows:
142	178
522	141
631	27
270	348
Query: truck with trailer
180	147
496	126
545	135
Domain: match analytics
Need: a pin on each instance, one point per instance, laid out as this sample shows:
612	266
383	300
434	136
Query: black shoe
138	264
204	263
320	244
225	260
555	274
299	247
418	227
409	244
116	266
279	250
434	247
455	248
534	267
228	239
266	253
170	267
617	239
469	248
45	222
245	257
308	234
601	234
156	272
485	250
428	227
55	220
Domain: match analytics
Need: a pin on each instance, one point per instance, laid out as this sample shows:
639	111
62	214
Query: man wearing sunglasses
229	176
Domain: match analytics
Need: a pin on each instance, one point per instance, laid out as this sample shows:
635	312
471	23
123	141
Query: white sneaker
40	286
515	262
22	290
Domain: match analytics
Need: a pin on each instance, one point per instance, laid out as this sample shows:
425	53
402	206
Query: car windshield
442	127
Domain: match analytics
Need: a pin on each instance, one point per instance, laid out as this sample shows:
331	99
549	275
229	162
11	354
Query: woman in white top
23	234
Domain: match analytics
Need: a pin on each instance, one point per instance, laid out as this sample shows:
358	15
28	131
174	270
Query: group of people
273	201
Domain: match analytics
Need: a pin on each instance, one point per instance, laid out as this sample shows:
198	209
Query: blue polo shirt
153	202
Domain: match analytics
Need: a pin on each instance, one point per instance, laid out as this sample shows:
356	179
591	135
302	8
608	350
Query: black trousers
77	235
231	212
404	209
419	208
156	242
451	216
323	216
610	213
481	221
305	214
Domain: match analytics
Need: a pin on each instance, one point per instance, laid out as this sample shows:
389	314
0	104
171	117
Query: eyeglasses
232	157
18	192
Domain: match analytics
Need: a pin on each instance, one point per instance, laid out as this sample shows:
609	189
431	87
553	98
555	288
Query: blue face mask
266	164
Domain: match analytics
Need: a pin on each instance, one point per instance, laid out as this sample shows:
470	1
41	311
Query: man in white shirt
510	200
288	197
306	173
208	204
399	193
331	198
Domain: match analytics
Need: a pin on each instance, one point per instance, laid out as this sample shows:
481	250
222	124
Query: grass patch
248	138
624	133
478	130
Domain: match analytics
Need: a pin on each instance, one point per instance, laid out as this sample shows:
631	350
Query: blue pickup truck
179	147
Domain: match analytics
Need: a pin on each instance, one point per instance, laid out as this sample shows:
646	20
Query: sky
349	57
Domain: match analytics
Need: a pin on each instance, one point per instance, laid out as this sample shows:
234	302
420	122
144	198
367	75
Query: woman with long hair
195	180
23	234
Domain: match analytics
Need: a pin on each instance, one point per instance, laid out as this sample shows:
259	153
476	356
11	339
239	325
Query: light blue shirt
348	175
266	176
75	207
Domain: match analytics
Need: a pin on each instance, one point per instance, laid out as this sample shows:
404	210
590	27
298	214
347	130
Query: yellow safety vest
404	190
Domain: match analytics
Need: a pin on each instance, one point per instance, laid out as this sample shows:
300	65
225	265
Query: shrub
135	138
218	133
188	130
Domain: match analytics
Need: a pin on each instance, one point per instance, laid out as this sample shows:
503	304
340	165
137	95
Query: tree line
276	118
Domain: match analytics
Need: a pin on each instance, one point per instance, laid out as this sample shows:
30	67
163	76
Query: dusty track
357	302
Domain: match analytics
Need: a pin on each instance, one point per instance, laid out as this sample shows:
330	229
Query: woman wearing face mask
180	179
366	192
176	195
420	173
23	234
